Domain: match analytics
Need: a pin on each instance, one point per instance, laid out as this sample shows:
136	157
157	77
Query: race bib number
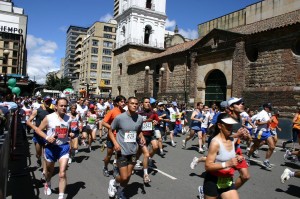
173	116
130	136
74	124
224	183
147	126
91	120
61	132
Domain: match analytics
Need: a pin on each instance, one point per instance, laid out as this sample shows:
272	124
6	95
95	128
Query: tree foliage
55	83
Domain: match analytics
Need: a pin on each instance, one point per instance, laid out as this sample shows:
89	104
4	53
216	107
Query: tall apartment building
72	34
13	32
94	56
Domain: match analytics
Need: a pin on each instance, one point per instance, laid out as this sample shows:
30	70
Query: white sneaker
70	161
173	144
201	193
112	190
47	189
204	147
287	155
183	144
285	175
76	151
201	150
194	163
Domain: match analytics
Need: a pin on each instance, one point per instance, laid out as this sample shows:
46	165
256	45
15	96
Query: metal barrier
7	145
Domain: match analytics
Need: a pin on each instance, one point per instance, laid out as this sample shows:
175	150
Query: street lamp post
147	69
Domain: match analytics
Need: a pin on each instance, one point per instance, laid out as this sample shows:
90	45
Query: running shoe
43	177
47	189
70	161
201	193
267	165
204	147
120	195
146	179
287	155
201	150
183	144
255	154
194	163
285	175
112	190
173	144
105	172
283	145
90	149
83	142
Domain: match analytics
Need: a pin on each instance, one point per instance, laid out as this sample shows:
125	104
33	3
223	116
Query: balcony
139	42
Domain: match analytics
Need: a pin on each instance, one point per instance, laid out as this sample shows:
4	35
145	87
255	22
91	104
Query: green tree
55	83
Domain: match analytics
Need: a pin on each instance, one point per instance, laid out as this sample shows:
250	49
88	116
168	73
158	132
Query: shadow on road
133	189
73	189
292	190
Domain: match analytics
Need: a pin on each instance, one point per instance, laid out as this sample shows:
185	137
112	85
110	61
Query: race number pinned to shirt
147	126
130	136
61	132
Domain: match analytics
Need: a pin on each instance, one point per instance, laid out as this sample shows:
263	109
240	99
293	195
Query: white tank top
57	128
223	154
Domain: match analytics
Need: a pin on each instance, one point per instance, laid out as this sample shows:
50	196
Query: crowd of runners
132	132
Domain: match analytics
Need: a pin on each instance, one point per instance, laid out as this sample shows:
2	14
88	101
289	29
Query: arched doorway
215	91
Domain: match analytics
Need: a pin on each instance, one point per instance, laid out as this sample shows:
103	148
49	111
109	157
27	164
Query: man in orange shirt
106	122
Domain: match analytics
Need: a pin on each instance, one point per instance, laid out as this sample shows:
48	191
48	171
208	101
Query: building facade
140	33
13	32
69	68
257	60
94	57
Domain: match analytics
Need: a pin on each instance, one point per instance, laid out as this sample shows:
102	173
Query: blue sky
48	21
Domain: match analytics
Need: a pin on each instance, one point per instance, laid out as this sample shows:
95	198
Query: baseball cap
224	104
174	103
152	100
267	105
229	120
160	103
47	98
234	100
92	106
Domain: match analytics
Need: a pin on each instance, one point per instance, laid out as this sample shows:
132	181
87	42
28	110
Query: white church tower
141	22
140	33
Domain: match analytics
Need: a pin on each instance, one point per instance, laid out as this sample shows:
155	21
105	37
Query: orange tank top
297	126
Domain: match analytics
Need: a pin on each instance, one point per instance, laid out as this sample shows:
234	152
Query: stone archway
215	87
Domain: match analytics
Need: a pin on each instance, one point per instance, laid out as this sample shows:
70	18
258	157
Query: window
16	45
106	51
95	42
6	44
106	59
13	70
106	67
105	90
107	82
4	69
14	62
108	44
147	34
93	66
108	29
93	74
148	4
15	53
95	50
94	58
106	75
108	36
120	69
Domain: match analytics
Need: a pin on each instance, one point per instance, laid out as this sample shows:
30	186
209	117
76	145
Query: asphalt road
172	177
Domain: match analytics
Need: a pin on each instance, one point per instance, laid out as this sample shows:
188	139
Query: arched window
149	4
148	30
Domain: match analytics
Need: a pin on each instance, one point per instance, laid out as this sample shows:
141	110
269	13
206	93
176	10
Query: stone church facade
259	61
